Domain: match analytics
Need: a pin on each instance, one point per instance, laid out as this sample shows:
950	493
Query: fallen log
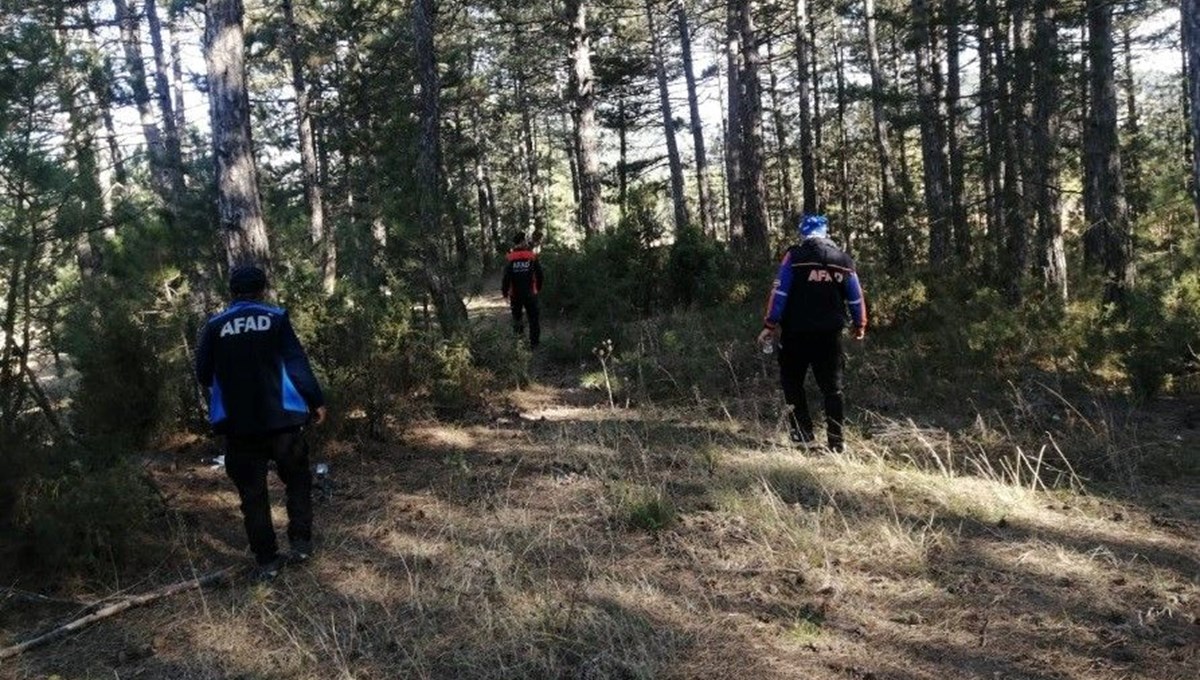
116	608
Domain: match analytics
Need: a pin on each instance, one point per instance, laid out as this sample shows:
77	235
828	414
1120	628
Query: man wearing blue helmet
806	312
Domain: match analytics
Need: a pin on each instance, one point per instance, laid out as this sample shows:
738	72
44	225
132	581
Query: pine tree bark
958	210
843	141
321	238
1107	239
1014	67
112	173
534	192
933	142
808	168
1131	153
678	190
1051	252
991	133
786	192
160	166
736	213
177	74
814	86
754	182
239	208
583	113
172	145
489	213
704	188
451	312
1191	44
622	158
893	211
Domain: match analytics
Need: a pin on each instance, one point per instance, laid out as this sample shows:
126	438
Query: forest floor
524	542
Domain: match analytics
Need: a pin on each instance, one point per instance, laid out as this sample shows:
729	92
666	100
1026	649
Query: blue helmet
814	225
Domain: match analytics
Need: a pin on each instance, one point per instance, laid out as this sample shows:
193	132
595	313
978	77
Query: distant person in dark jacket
521	284
262	392
806	313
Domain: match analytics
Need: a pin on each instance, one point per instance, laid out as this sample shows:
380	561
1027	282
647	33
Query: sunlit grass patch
644	508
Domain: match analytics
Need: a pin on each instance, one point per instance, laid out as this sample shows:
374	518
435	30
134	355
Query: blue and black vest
258	377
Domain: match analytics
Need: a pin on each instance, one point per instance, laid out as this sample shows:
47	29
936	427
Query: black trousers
822	351
246	459
527	306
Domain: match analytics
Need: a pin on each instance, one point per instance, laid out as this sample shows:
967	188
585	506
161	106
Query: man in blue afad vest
806	313
262	392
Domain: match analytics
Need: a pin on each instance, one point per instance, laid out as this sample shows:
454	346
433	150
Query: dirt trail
524	543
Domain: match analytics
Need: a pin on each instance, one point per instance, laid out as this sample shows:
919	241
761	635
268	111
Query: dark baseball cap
247	279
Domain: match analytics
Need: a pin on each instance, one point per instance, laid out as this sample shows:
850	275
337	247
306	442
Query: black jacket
257	374
816	284
522	274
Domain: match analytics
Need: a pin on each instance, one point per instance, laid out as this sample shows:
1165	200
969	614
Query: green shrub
646	509
1162	335
84	519
699	271
459	385
495	349
121	399
366	354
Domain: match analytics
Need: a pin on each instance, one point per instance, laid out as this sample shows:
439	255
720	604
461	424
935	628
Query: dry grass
578	541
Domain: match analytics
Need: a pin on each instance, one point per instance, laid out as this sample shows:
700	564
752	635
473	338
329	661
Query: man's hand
858	332
768	334
319	417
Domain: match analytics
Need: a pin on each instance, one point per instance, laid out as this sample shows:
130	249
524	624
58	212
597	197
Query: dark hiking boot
265	572
301	552
800	436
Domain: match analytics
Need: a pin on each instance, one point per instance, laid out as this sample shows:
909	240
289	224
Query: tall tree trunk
486	251
101	87
933	141
704	188
894	209
522	152
784	151
678	192
1014	68
808	171
534	192
156	148
239	209
177	73
843	142
1051	253
86	207
583	111
314	191
451	312
622	157
902	124
990	130
1107	240
571	146
162	89
1131	155
733	122
958	210
489	214
111	171
1191	26
754	183
814	63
